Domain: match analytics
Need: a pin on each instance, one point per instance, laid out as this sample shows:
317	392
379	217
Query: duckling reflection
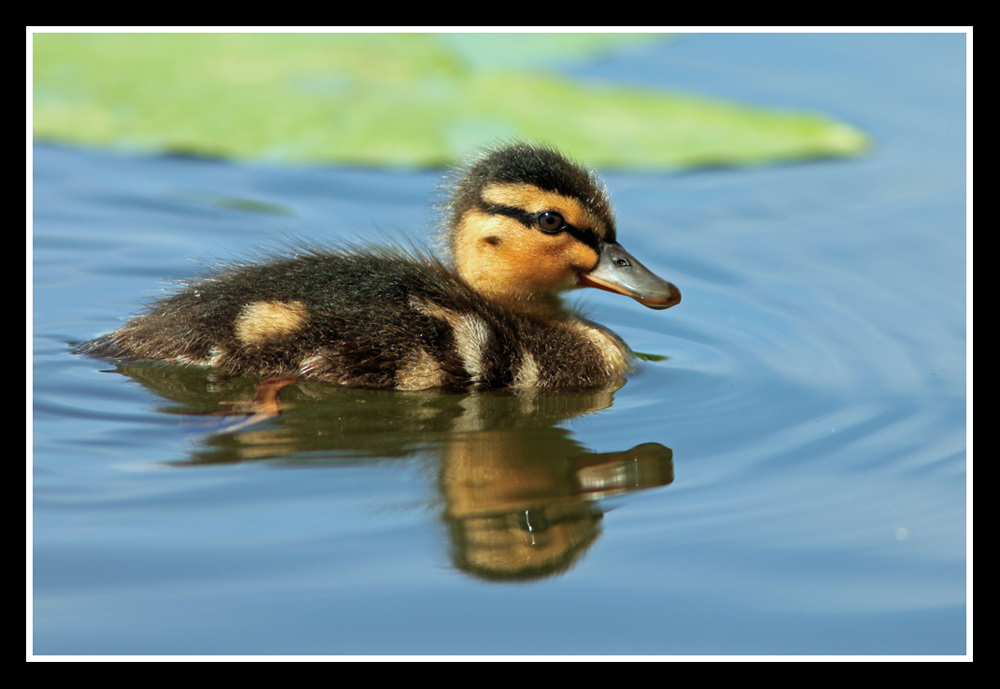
520	494
520	504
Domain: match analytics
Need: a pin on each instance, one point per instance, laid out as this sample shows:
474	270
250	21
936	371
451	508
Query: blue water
806	430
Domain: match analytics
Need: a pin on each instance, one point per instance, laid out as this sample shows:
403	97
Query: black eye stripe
588	237
530	220
524	217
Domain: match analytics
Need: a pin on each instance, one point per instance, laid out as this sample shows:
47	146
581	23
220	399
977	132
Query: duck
523	225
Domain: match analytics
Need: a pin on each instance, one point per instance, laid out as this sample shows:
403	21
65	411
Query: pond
784	474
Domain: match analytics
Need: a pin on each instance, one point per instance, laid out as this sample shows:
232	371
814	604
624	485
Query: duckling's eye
550	221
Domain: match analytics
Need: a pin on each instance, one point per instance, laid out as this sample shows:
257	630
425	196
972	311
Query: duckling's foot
265	402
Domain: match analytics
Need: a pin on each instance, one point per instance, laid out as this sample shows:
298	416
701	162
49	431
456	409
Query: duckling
523	225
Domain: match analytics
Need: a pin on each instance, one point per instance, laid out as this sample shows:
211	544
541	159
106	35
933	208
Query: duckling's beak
618	271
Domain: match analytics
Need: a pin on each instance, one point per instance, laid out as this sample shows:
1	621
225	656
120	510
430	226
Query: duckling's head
525	223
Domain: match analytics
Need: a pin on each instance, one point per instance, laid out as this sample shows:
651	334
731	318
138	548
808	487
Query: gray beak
618	271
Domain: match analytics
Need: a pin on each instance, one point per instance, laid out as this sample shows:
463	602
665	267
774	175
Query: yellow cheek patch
261	321
477	226
581	257
544	263
534	200
500	257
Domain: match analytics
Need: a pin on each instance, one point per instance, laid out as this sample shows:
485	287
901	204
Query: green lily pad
392	99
